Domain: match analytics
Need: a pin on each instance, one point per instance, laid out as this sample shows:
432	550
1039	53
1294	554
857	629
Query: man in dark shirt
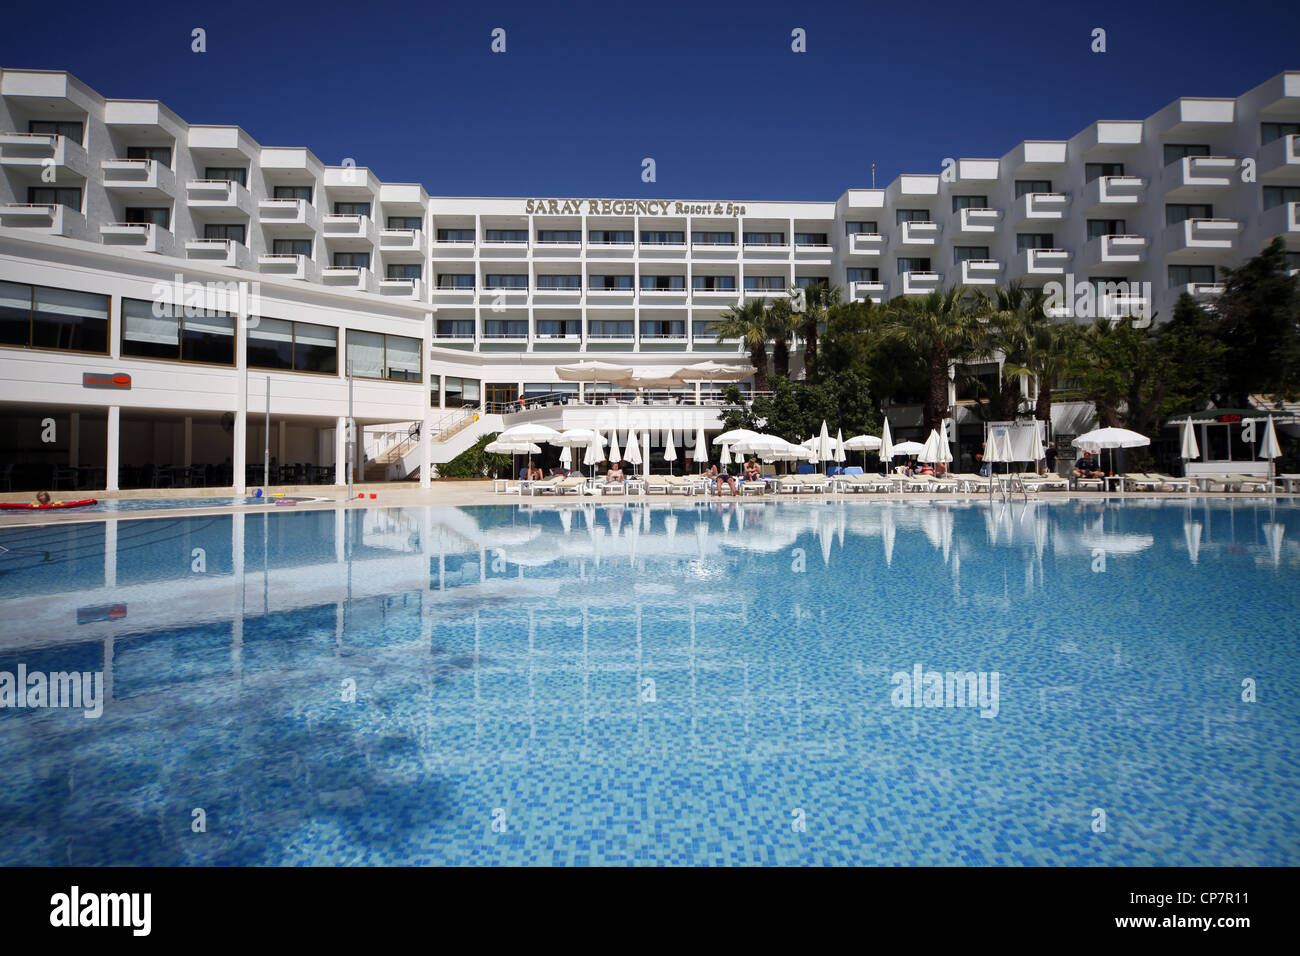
1085	467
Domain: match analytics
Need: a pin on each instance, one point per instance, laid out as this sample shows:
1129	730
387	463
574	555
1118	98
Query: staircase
452	434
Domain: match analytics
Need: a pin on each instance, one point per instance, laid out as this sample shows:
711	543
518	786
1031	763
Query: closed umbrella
701	447
839	446
825	449
632	450
1189	450
725	457
886	446
670	450
594	455
615	456
1269	449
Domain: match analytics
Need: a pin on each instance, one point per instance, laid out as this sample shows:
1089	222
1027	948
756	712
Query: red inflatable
24	506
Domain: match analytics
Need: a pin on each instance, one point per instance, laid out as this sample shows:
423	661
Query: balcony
810	250
454	330
505	293
349	231
1279	161
1039	208
218	194
1117	250
767	293
402	288
1045	262
1202	236
144	236
602	293
142	178
505	331
767	250
727	296
980	271
1199	177
1283	220
714	250
503	248
866	243
553	249
221	252
662	250
358	278
918	234
36	152
1200	290
1114	191
919	283
447	292
863	291
654	332
287	215
288	267
50	220
979	222
403	245
553	294
612	332
656	296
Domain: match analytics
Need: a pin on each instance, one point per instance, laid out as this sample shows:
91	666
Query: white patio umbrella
632	450
528	432
576	438
908	448
715	372
701	451
594	455
735	435
997	449
725	457
1189	449
566	456
864	444
1111	438
670	450
825	448
886	446
839	445
512	448
615	456
930	451
1269	449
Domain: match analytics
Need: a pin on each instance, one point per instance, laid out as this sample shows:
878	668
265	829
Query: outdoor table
1288	482
500	485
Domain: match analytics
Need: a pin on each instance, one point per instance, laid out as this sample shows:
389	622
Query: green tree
819	299
1259	323
782	326
749	322
940	326
474	462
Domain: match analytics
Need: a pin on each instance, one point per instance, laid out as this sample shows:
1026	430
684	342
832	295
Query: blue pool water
660	684
114	505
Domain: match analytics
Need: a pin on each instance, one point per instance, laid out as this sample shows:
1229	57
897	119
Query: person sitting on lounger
752	471
534	474
1085	467
719	478
615	473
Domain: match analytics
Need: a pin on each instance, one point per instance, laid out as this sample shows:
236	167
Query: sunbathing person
752	471
615	473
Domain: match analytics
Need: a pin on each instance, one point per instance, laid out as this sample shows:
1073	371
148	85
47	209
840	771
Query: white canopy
735	435
908	448
862	443
591	372
1100	438
715	372
528	432
499	447
575	437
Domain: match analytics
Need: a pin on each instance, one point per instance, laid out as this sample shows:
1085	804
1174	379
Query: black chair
159	476
63	477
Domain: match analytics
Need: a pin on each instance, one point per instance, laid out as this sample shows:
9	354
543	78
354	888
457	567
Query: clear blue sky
711	91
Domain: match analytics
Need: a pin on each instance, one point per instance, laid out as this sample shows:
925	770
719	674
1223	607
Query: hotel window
162	155
608	328
559	328
70	130
1034	240
1093	171
455	329
810	239
505	280
1106	227
559	282
609	282
43	318
403	270
292	192
713	238
1026	186
66	196
505	328
1176	151
392	357
962	253
1278	195
764	283
1271	131
178	333
291	247
409	223
1187	275
293	346
867	228
1181	212
455	235
160	216
507	235
610	237
559	235
233	231
913	264
666	283
807	282
456	280
229	174
765	238
714	283
351	260
663	328
652	238
863	275
912	215
352	209
969	202
537	390
460	392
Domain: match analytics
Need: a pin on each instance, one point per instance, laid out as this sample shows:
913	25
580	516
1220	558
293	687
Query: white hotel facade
448	308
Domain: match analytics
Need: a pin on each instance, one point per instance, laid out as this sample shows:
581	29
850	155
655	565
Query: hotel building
158	280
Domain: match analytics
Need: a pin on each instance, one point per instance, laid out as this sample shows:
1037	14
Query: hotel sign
630	207
105	380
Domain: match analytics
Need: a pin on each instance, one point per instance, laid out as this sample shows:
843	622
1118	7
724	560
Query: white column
74	439
114	437
110	553
426	450
189	441
426	402
341	451
238	457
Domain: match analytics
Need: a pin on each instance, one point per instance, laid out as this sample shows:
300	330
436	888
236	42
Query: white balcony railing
974	221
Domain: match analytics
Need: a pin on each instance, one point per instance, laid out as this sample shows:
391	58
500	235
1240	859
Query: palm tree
941	326
749	322
1038	346
1017	311
819	298
783	323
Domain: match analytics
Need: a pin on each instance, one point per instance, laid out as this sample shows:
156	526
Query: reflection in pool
659	683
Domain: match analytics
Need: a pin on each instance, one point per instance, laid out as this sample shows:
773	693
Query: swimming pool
117	505
660	683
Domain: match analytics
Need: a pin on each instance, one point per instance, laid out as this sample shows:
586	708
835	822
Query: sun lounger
1243	482
610	487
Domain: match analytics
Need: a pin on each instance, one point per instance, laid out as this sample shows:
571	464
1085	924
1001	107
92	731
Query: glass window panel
403	358
15	313
315	348
366	354
208	338
147	335
270	344
63	319
292	192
